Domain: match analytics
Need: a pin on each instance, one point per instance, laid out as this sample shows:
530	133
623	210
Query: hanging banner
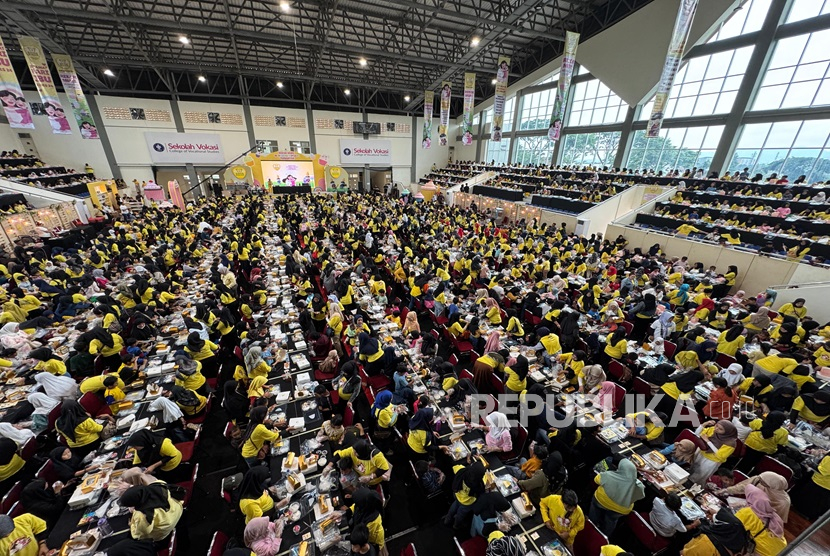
72	88
499	98
467	115
679	36
429	98
565	74
45	86
444	121
11	96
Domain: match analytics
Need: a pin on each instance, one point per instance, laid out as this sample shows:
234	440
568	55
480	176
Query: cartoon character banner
45	86
467	116
499	99
444	122
429	98
565	74
11	96
679	36
72	88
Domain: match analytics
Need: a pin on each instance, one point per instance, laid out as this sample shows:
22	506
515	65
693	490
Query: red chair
619	397
11	497
531	319
739	477
453	358
47	472
688	434
170	549
768	463
629	327
464	373
725	360
201	418
348	417
370	395
669	348
187	448
589	541
94	405
377	382
228	432
434	334
53	417
188	485
476	546
473	356
497	384
615	369
16	510
409	550
518	447
463	347
642	387
218	544
641	527
28	449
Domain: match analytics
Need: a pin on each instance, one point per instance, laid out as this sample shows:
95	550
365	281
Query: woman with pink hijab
411	323
605	398
262	536
493	342
762	523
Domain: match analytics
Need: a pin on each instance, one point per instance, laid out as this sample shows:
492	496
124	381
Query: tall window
798	73
675	148
706	85
594	103
596	149
785	148
533	150
537	109
806	9
747	19
497	152
509	107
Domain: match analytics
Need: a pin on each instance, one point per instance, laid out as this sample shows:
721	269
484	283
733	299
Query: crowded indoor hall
269	286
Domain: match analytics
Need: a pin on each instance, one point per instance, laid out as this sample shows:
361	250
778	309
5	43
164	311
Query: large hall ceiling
244	47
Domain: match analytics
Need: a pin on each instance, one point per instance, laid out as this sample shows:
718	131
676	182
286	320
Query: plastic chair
11	497
688	434
94	405
476	546
53	417
768	463
16	510
619	397
188	485
615	369
188	448
29	449
531	319
725	360
170	549
497	384
218	544
348	417
47	472
464	373
669	348
377	382
589	541
409	550
629	327
642	387
518	447
642	529
227	433
201	418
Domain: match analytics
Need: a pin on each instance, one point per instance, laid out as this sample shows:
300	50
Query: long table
573	206
288	190
498	193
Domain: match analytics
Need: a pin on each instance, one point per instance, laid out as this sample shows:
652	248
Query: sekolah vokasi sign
184	148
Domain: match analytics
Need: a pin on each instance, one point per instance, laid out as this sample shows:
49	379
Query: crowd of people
481	309
31	171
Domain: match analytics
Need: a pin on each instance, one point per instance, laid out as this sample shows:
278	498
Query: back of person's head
359	537
345	464
569	498
673	502
541	451
421	467
336	420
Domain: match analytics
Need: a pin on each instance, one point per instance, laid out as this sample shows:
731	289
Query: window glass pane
788	51
778	76
533	150
725	102
748	19
782	134
497	152
679	148
804	9
597	149
536	111
594	104
769	98
800	94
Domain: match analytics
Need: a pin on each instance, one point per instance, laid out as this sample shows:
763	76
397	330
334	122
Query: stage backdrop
288	166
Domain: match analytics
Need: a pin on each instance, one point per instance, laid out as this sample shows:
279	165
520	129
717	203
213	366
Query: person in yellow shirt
730	341
10	461
366	509
774	365
203	351
153	451
762	523
814	408
254	498
615	496
78	429
493	313
467	486
615	345
686	229
369	462
796	309
562	514
721	439
765	438
48	361
24	535
517	375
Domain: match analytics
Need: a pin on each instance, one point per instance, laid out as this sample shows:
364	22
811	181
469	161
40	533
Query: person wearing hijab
664	326
38	498
258	435
548	345
467	486
721	438
66	463
235	401
371	353
497	438
591	379
191	403
153	451
421	439
48	361
697	356
460	391
78	429
615	346
605	398
366	510
723	534
254	498
517	375
154	512
814	408
767	436
26	534
762	523
411	323
255	364
484	368
680	387
10	462
189	374
328	366
615	496
369	462
733	374
384	412
203	351
262	535
781	399
731	340
757	322
681	452
721	400
774	486
758	388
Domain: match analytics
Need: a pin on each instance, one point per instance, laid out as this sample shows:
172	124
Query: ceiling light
108	72
407	98
362	62
347	92
493	82
202	78
285	6
184	40
474	41
279	84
